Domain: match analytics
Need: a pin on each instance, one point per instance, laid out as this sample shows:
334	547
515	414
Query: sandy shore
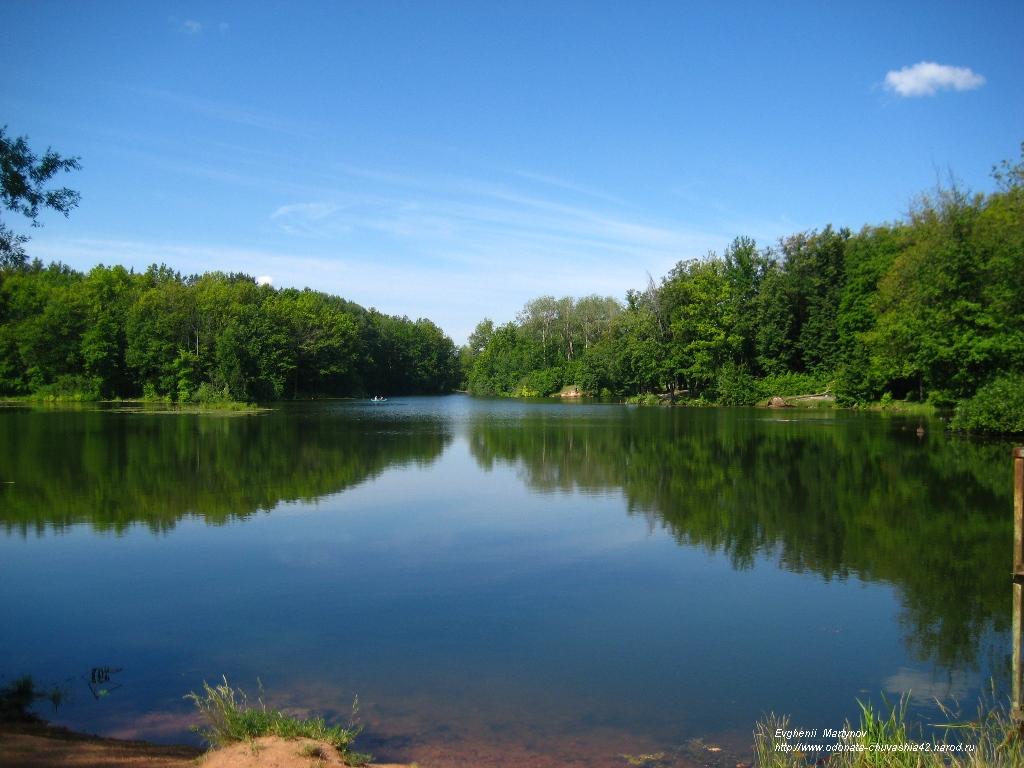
39	745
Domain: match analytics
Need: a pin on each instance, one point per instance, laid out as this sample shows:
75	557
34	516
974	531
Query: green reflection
827	493
832	494
111	470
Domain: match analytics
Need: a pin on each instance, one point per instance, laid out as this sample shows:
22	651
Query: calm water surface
502	580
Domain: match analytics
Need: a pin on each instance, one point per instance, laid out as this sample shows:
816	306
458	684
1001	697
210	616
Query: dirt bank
35	745
38	745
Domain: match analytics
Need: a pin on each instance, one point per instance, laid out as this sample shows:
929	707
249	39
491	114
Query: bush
789	384
208	394
76	389
996	408
737	387
544	381
648	398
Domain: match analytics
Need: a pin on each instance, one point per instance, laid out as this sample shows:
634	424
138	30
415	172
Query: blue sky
453	160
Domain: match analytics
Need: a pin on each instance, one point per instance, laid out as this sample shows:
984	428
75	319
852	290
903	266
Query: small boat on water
378	399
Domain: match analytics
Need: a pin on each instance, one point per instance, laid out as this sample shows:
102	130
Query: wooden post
1017	687
1017	694
1018	511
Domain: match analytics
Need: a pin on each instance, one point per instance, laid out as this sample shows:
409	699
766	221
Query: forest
927	309
210	338
113	332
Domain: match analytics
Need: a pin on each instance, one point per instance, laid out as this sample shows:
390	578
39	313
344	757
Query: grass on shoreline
230	719
140	405
884	739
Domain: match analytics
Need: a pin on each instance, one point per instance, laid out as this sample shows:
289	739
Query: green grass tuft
993	738
230	719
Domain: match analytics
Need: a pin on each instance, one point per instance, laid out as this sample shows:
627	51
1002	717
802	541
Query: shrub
783	384
209	394
996	408
737	387
76	389
648	398
544	381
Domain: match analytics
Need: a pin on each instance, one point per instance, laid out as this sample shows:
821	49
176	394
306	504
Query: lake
503	580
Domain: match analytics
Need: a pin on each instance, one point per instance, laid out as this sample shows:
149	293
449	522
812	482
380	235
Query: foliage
211	338
930	309
997	407
648	398
790	383
734	386
23	176
551	343
230	719
68	388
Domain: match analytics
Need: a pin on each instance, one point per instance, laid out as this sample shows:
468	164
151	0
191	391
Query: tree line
930	308
116	333
113	332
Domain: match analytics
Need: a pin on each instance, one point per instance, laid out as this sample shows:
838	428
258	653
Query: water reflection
112	470
831	494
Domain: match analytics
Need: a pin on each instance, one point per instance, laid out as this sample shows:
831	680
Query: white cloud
192	27
926	78
264	280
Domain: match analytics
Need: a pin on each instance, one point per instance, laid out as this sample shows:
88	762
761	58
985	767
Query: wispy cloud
454	249
226	112
191	27
464	218
569	186
305	218
926	78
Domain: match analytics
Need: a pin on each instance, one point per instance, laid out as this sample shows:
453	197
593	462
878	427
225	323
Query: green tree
698	301
745	268
23	179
